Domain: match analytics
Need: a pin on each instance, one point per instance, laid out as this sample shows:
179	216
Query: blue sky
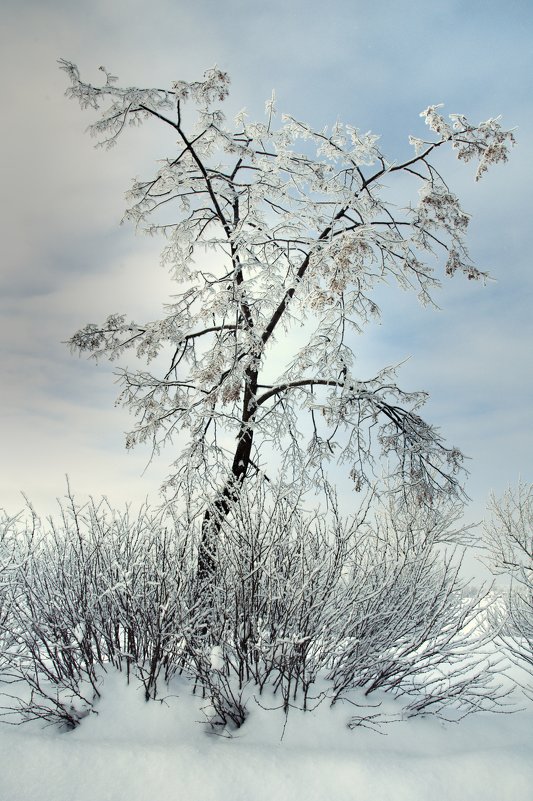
66	261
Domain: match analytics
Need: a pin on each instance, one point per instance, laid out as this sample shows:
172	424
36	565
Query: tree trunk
215	515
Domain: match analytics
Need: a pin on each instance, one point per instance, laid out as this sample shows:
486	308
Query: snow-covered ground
137	751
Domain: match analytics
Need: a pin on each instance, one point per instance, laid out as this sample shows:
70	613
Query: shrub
307	606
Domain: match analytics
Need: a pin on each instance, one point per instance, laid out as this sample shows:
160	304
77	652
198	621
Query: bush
303	601
375	604
94	590
509	545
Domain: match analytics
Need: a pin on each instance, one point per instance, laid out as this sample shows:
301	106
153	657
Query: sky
67	261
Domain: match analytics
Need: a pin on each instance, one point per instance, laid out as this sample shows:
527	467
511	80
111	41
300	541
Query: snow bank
133	751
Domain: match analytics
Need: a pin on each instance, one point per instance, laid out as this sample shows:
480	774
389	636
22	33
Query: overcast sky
373	63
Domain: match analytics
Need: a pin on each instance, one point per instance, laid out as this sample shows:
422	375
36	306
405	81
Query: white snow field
137	751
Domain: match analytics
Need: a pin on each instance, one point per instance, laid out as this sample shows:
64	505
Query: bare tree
509	541
269	227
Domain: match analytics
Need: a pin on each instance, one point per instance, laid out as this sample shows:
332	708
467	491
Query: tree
268	228
509	543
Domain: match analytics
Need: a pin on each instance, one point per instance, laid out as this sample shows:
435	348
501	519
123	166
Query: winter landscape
291	582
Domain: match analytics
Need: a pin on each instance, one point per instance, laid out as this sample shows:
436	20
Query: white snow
138	751
217	658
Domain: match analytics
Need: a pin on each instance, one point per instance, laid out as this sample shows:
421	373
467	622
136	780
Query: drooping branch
263	236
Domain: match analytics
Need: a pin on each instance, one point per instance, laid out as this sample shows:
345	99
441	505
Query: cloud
65	260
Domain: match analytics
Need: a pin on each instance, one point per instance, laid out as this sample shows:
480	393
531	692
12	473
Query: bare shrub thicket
307	607
509	542
92	590
377	604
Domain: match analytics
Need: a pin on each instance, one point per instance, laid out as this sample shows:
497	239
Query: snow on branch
272	228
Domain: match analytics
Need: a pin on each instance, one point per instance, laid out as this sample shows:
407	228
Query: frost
274	227
216	658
